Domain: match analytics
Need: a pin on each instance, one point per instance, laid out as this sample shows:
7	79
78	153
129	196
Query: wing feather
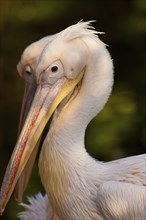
122	201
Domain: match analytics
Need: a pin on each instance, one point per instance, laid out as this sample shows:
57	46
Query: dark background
119	130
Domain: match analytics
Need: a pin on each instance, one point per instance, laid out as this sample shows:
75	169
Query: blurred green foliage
119	130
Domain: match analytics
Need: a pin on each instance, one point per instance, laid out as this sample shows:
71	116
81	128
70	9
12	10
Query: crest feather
79	30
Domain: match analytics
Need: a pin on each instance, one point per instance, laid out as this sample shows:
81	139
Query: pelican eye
28	74
52	73
28	70
54	69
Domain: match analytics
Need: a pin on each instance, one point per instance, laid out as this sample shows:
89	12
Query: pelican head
62	65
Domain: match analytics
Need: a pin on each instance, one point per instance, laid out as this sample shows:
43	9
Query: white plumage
38	208
78	186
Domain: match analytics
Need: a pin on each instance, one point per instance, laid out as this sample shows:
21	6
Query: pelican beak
29	93
45	101
23	180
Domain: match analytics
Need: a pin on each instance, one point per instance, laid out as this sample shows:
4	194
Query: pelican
74	79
